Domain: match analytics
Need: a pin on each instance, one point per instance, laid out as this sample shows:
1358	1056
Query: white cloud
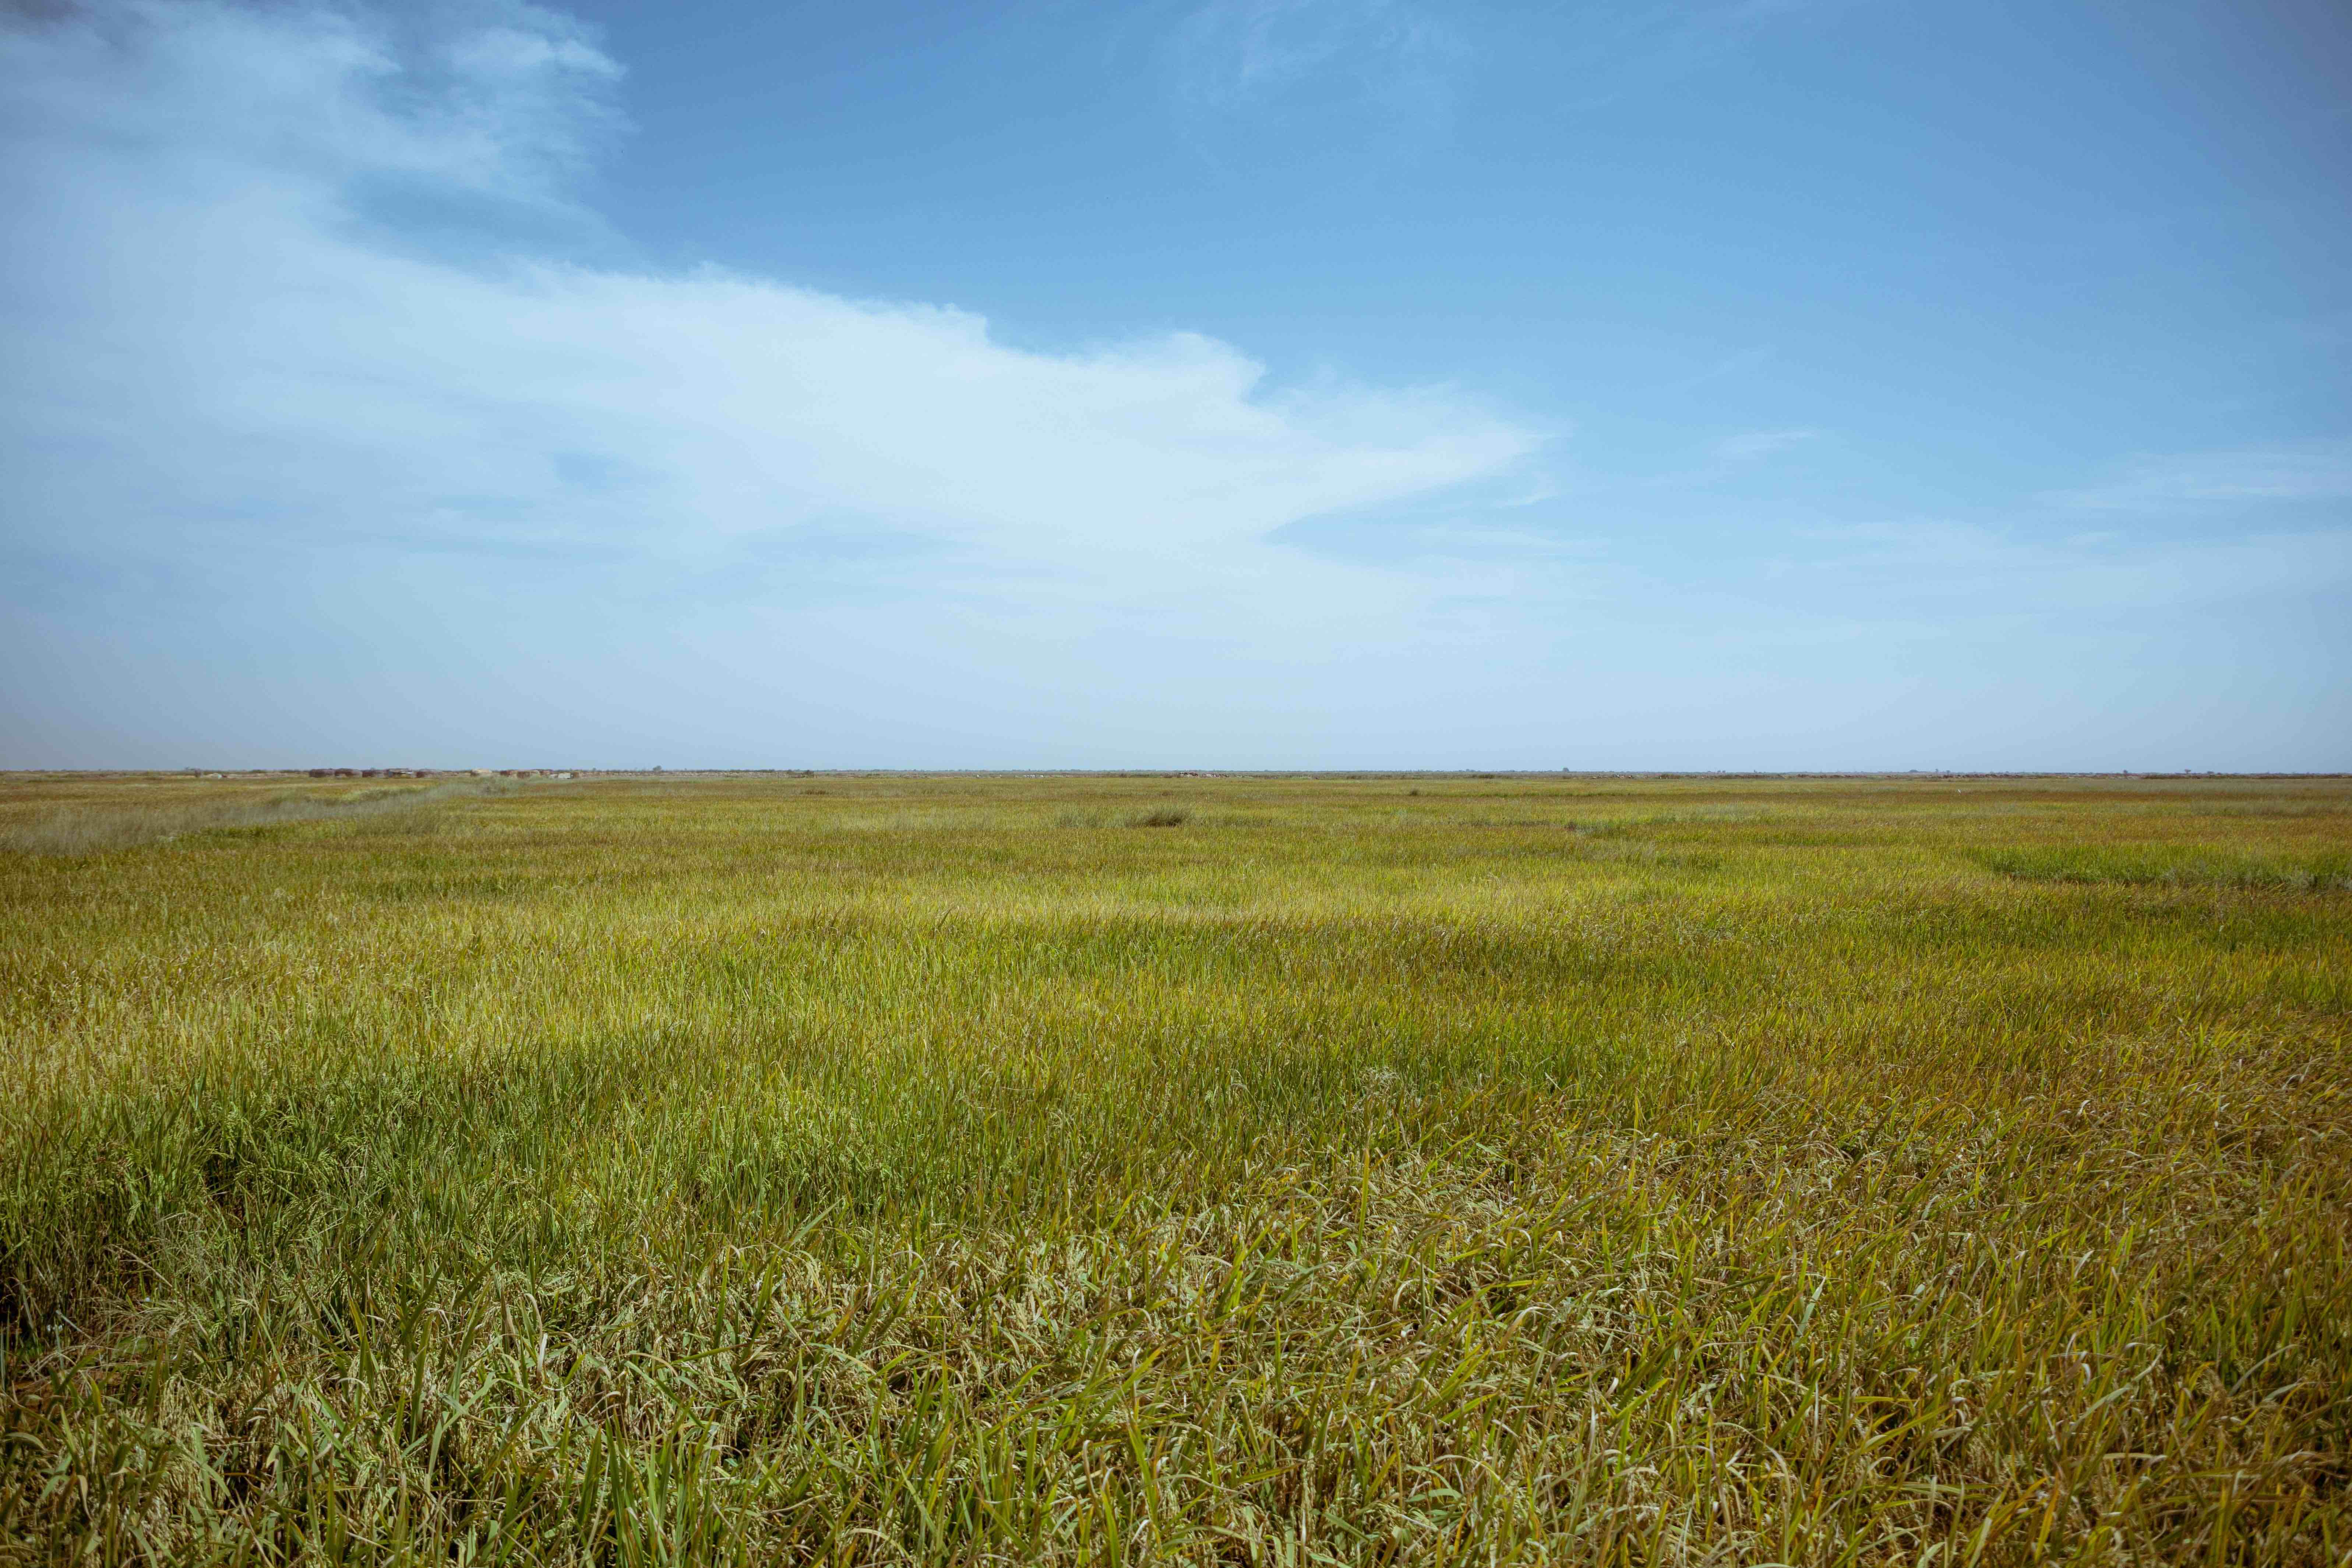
214	348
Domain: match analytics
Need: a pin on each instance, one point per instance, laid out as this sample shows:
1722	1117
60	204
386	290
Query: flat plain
1269	1170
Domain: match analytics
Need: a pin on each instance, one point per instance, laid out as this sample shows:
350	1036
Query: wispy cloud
1949	575
1273	79
1730	366
1754	444
1243	51
2318	471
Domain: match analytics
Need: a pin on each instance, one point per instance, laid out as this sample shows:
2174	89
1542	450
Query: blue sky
1729	384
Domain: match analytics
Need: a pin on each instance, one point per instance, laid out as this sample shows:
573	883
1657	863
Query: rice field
1256	1170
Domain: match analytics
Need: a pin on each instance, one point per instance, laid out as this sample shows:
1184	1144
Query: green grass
2180	866
874	1169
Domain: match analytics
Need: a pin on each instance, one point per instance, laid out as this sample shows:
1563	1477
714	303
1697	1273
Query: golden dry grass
1360	1170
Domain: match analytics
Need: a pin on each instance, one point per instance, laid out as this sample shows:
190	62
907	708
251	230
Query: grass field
897	1169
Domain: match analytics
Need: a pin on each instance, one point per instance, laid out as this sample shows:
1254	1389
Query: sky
1775	385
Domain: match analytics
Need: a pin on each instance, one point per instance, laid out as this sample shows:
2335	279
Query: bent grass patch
98	826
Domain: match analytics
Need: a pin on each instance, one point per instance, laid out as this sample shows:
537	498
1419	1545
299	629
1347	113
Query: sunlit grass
895	1169
2179	866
